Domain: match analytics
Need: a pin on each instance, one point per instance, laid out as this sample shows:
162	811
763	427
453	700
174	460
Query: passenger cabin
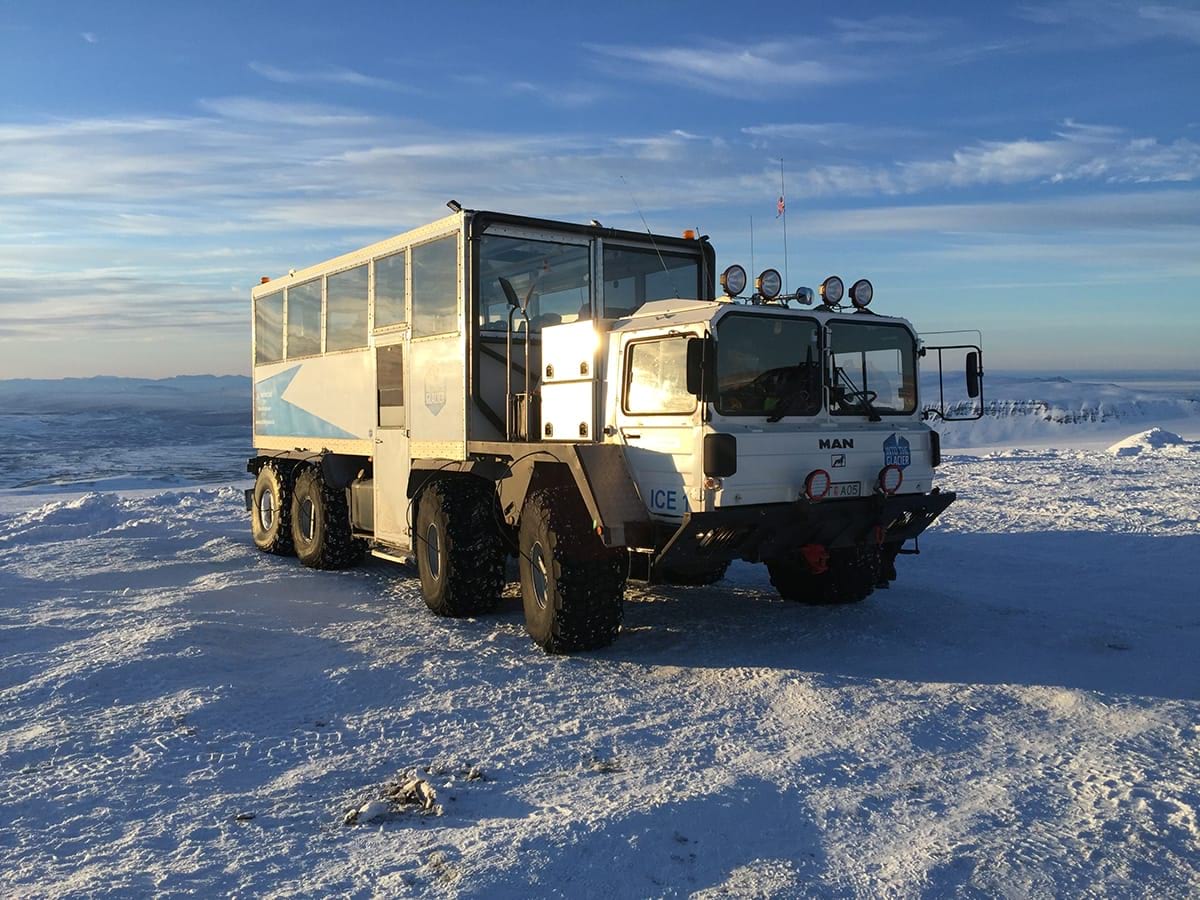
414	347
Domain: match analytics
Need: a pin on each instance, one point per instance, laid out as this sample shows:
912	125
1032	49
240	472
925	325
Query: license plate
844	489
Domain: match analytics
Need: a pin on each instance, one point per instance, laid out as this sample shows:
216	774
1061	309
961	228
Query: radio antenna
662	262
783	214
753	268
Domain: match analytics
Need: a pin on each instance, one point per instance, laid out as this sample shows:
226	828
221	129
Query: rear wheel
572	586
271	511
851	577
459	550
321	523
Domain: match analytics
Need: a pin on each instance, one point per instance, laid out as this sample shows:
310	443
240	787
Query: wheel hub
266	509
308	522
537	568
433	551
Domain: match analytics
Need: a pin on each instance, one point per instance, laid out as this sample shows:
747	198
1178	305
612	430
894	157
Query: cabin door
392	525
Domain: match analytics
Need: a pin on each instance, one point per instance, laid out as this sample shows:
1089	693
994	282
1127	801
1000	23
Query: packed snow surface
1019	715
1155	440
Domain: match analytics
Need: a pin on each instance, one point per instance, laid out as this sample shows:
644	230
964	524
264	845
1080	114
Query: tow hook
816	557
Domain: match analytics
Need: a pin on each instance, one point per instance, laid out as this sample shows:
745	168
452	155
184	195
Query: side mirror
697	356
973	374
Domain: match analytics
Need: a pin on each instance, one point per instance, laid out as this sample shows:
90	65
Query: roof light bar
733	280
832	291
861	293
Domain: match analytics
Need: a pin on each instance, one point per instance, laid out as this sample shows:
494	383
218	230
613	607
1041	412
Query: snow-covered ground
1018	715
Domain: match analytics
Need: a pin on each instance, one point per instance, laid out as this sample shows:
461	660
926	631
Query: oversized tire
572	586
321	523
852	575
271	510
693	577
459	549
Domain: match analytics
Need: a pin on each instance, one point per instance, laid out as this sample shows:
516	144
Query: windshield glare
768	366
875	367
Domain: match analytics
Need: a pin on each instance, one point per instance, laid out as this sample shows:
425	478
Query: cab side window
656	378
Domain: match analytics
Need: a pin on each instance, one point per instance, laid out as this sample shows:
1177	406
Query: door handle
379	440
630	434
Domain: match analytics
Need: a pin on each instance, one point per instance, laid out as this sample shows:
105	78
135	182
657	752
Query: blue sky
1031	170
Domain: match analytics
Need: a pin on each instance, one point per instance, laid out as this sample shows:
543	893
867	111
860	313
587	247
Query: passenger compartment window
389	290
553	279
346	310
268	328
656	378
435	287
636	276
304	319
389	379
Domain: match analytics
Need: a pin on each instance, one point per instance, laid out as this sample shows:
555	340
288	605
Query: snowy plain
1019	715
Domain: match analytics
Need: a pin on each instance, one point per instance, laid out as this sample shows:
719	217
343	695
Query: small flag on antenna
780	207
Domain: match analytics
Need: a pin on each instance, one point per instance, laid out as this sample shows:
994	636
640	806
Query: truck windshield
768	366
874	367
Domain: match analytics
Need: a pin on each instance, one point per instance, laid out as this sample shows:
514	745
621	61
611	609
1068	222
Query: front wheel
572	586
694	577
852	575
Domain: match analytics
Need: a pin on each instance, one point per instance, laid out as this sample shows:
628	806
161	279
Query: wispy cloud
1106	22
768	65
89	36
327	75
887	30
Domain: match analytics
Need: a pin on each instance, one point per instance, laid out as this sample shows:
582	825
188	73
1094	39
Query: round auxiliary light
733	280
816	485
890	478
768	284
861	293
832	290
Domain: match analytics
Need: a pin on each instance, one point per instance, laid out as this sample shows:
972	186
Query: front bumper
774	530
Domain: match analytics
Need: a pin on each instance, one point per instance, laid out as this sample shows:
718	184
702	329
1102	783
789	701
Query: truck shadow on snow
1115	613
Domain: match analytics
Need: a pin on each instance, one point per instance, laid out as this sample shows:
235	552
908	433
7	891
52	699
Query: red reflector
890	478
816	485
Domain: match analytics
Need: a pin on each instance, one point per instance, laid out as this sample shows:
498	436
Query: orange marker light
264	280
689	234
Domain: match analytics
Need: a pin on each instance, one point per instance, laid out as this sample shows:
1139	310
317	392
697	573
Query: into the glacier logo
896	452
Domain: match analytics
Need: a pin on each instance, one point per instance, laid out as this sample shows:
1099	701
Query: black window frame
740	314
916	372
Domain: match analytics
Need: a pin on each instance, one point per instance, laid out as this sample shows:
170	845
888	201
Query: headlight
733	280
769	284
861	293
832	290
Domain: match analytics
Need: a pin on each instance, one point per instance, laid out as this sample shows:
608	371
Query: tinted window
389	290
268	328
635	276
389	379
346	310
656	381
304	319
435	287
768	366
555	278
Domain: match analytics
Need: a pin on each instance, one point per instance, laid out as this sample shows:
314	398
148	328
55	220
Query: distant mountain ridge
180	392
